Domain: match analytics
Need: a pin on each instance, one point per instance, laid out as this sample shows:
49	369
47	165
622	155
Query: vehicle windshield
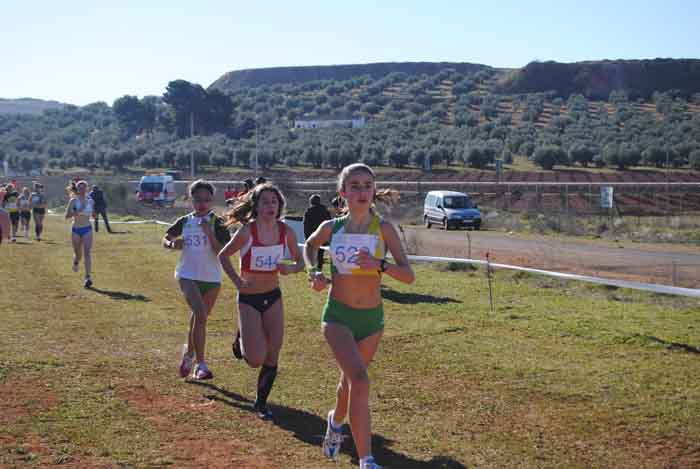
151	186
457	202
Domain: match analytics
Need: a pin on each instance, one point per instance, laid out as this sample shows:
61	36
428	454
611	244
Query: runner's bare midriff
361	292
260	283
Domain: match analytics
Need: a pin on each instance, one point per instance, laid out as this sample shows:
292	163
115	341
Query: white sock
366	459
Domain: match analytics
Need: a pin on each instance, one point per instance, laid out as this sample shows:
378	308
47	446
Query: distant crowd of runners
253	226
20	206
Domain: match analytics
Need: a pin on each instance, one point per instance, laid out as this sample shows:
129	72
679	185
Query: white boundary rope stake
469	245
488	277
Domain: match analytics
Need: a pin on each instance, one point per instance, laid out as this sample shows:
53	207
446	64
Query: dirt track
625	260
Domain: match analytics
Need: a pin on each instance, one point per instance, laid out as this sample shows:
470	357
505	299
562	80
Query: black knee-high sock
37	230
265	380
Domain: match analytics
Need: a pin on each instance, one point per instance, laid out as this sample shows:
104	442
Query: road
666	264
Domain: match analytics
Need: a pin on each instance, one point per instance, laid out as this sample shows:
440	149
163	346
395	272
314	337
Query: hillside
596	80
592	79
27	106
296	75
416	115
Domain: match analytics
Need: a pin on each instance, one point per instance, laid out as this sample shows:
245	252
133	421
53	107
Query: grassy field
559	375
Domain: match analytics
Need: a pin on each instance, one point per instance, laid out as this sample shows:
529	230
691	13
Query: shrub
621	156
550	155
581	153
479	156
695	159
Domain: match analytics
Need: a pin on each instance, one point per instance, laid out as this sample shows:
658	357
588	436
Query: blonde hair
245	208
73	187
387	196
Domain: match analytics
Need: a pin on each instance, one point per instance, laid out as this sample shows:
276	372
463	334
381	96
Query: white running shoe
201	372
333	439
369	464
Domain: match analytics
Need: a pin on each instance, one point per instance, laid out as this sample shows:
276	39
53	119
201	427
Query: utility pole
668	201
192	152
255	163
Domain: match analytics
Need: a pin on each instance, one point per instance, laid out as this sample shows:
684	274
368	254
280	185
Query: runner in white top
24	203
200	235
79	210
38	209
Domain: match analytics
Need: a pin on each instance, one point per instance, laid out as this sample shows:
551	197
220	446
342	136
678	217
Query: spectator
100	207
314	215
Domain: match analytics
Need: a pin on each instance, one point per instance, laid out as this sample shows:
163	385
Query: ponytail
72	189
387	196
241	210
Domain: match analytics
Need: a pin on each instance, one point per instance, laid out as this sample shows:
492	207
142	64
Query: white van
450	210
157	189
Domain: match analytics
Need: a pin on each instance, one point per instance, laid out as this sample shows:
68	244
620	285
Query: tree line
412	120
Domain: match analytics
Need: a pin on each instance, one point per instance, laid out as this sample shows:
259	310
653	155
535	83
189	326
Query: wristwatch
383	265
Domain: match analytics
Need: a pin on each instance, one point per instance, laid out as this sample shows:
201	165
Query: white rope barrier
650	287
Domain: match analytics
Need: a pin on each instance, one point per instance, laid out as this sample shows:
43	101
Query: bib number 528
349	254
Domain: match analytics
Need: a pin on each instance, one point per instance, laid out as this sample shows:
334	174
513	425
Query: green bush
695	159
550	155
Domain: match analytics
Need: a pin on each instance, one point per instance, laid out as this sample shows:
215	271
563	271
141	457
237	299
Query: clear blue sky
81	51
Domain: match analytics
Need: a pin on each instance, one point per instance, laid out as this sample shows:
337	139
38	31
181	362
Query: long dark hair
245	208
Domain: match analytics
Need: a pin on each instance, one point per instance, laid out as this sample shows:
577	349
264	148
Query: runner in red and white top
261	243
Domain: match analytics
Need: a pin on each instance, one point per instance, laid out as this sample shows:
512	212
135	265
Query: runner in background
5	225
338	206
38	209
248	185
199	235
353	318
9	203
260	242
79	210
24	202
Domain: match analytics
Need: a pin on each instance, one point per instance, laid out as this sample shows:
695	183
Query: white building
357	123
